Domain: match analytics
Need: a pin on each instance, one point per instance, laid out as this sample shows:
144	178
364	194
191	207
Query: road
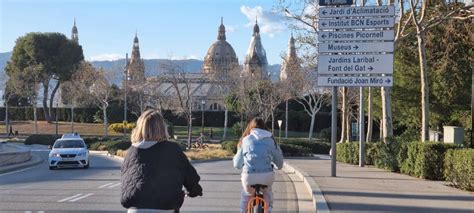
97	189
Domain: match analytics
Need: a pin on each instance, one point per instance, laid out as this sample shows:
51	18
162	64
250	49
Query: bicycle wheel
257	208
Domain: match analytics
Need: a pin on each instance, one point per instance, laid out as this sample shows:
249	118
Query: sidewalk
370	189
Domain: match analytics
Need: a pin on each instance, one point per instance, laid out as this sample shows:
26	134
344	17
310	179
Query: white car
68	152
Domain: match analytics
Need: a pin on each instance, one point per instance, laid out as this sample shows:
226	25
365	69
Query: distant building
291	64
136	66
255	64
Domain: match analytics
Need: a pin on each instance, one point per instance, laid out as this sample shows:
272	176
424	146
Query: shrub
459	168
111	146
121	127
294	150
41	139
315	147
237	128
348	152
425	159
230	146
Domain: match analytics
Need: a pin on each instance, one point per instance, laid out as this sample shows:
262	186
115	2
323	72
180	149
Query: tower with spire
220	59
255	64
74	33
291	64
136	66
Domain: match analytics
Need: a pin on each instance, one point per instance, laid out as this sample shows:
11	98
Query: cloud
106	57
270	23
151	56
230	28
186	57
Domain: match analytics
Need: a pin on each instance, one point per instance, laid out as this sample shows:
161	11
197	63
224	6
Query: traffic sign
355	81
335	2
358	23
338	12
353	47
355	64
366	35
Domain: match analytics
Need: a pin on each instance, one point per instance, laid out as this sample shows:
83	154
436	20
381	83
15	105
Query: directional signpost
355	50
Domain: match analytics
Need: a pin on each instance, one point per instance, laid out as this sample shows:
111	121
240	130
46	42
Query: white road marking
82	197
40	211
112	186
100	187
21	170
68	198
28	211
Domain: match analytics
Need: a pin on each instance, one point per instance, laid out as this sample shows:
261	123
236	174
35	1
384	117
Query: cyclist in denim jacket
257	155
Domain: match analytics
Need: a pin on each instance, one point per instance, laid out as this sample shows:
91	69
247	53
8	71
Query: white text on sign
356	23
367	35
355	64
353	47
355	81
332	12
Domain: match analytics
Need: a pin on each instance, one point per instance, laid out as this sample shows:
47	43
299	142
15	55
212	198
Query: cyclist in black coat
155	170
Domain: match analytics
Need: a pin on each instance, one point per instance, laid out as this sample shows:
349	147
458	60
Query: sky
177	29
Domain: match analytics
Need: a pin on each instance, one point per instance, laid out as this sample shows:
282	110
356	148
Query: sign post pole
333	131
361	128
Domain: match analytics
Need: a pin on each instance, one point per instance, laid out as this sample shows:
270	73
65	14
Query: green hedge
294	150
315	147
111	146
424	159
419	159
348	152
230	146
41	139
459	168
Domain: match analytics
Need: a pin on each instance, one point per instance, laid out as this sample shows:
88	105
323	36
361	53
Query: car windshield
69	144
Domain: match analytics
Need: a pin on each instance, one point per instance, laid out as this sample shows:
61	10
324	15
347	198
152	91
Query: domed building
220	59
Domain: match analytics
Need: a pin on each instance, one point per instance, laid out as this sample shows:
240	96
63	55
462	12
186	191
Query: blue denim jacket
258	152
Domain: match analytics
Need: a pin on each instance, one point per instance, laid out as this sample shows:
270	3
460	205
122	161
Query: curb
35	160
319	201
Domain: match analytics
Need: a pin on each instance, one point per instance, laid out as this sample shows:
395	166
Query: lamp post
202	116
126	78
279	132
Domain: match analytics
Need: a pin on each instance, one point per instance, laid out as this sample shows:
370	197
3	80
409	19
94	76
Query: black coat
153	178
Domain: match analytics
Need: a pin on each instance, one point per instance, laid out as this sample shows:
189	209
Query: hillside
152	67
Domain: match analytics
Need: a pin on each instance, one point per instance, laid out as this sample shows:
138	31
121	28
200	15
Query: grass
213	152
97	129
27	127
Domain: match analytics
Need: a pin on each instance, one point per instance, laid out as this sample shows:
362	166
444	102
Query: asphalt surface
97	189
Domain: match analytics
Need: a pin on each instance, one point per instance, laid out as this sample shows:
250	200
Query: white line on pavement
28	211
8	173
40	211
68	198
112	186
105	185
81	197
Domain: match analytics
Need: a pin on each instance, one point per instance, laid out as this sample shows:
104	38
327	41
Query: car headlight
55	155
82	154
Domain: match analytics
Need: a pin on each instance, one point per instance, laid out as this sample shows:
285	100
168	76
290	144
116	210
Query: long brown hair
254	123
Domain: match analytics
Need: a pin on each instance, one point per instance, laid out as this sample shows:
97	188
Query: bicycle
199	144
257	203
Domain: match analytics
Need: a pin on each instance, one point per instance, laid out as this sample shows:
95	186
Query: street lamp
202	116
279	132
126	79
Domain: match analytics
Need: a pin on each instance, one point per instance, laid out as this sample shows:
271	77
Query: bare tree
181	97
311	97
76	91
102	94
226	84
26	84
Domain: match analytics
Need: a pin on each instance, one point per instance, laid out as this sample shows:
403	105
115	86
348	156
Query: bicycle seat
257	187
